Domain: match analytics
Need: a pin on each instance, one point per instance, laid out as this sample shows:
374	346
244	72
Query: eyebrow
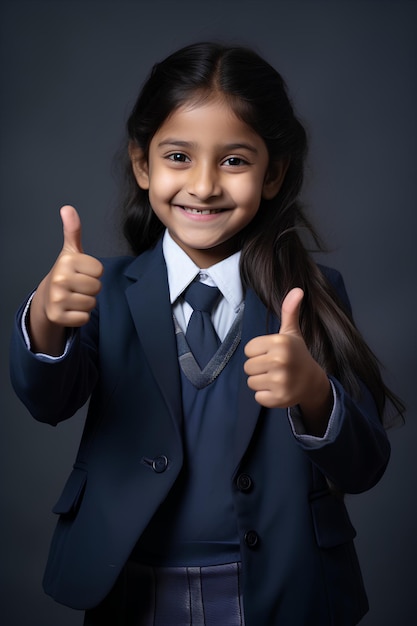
230	147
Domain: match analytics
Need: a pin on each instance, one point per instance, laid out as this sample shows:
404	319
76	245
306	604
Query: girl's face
206	174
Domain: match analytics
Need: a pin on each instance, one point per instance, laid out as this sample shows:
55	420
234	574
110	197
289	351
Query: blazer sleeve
356	455
53	390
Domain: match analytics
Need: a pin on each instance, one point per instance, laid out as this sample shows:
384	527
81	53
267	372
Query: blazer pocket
332	525
71	496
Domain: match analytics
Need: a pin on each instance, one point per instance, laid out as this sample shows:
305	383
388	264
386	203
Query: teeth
200	211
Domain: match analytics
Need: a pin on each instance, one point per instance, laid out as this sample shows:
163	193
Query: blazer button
251	539
244	482
159	464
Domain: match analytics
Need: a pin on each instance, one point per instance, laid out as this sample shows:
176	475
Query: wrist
45	336
317	405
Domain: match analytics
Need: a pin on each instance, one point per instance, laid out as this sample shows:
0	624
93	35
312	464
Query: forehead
206	121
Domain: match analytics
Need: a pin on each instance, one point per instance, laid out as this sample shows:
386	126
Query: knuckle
83	318
91	304
97	288
277	379
54	315
250	382
276	360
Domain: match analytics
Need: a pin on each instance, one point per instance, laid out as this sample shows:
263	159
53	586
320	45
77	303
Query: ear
139	165
274	178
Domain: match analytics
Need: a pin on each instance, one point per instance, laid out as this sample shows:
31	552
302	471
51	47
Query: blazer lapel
148	299
256	322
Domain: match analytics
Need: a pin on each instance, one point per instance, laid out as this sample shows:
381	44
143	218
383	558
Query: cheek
248	194
160	182
162	189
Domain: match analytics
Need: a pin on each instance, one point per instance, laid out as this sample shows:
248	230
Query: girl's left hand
283	373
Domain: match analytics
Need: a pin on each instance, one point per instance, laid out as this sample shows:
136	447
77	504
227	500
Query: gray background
69	74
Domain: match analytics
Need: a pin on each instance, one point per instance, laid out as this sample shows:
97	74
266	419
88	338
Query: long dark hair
274	253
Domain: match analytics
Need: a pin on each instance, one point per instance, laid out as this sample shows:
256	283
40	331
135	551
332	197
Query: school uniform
286	528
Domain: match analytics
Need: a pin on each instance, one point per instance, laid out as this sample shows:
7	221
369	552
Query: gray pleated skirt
173	596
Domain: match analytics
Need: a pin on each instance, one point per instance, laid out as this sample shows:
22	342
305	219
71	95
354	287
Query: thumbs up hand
283	373
74	281
67	295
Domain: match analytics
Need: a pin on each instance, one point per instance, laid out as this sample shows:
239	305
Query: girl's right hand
67	294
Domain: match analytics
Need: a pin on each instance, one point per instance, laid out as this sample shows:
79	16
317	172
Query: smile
201	211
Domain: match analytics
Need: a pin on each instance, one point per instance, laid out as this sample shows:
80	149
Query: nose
204	181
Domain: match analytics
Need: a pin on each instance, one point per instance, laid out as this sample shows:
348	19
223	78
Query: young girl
208	487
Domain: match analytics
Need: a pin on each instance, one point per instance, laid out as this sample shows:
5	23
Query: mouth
194	211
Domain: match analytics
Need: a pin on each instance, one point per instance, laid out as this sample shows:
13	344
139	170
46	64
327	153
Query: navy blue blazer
298	559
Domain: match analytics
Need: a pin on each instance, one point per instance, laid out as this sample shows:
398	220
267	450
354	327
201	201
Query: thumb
71	225
290	312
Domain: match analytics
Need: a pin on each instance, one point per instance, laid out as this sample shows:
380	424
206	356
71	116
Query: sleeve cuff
310	441
40	355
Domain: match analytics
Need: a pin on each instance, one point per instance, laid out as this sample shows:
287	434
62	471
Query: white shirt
225	275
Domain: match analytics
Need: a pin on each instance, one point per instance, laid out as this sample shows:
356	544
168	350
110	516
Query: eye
178	157
235	161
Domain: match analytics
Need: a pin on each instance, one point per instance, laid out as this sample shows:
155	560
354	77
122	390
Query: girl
208	484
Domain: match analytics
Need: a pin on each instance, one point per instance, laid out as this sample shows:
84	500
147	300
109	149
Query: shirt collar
182	271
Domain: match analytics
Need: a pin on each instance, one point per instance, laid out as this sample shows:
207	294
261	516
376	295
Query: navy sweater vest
197	525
